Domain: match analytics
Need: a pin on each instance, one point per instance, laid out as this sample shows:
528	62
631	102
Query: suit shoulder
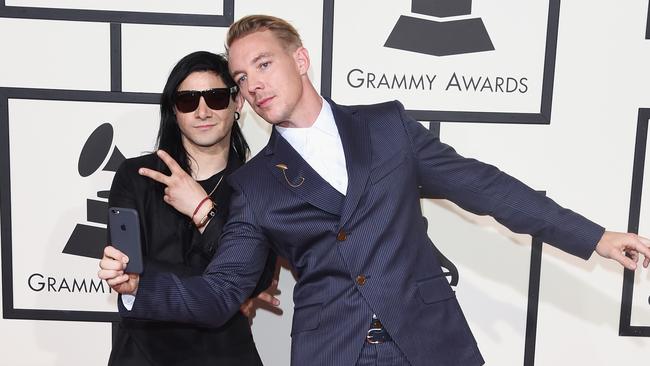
389	108
388	105
251	170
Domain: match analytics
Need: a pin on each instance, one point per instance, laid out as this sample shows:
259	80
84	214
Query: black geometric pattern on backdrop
640	150
88	240
543	116
534	278
119	17
89	161
443	38
647	27
94	207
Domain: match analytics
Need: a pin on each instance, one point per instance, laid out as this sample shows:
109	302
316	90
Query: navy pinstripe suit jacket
392	161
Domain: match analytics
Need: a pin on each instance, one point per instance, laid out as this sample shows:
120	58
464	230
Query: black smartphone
124	231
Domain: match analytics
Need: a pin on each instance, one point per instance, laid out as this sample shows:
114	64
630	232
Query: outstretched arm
485	190
214	297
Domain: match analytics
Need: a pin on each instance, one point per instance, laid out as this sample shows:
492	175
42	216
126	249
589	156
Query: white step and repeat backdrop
553	93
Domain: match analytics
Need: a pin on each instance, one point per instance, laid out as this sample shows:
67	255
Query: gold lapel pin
284	169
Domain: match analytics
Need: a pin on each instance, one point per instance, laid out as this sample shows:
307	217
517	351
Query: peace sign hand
182	192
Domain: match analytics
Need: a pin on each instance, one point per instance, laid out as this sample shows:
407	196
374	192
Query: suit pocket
435	289
306	317
381	171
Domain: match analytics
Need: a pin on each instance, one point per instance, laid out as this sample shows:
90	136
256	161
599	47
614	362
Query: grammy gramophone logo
88	240
429	32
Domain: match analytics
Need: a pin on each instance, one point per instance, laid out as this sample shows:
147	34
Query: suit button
341	236
361	280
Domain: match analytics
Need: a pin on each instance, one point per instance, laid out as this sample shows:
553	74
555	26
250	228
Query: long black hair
169	134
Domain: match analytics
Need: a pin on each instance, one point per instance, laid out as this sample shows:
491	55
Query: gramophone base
439	38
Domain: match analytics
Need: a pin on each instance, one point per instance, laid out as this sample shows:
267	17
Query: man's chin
268	117
208	143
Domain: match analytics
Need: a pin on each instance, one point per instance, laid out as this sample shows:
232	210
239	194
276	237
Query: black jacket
172	244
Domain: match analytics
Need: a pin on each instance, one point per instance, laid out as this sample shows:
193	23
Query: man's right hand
112	268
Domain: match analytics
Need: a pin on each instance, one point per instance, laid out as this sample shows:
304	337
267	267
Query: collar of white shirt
320	146
297	137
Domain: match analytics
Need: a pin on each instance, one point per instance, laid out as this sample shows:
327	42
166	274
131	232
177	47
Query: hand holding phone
124	230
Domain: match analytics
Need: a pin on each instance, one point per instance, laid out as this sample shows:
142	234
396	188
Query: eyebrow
254	61
260	56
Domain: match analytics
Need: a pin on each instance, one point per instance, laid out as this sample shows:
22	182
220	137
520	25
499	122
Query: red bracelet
199	206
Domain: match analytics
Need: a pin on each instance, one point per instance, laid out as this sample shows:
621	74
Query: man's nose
254	84
203	111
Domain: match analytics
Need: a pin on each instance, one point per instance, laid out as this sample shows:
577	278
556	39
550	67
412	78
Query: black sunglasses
217	98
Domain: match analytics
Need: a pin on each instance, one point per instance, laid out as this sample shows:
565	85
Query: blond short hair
285	32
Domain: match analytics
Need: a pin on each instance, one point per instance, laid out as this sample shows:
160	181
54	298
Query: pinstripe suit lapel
296	175
356	147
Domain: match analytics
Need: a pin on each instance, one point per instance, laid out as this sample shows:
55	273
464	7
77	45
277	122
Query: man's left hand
266	299
614	245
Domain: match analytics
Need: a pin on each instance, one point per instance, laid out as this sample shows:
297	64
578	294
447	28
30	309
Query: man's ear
301	57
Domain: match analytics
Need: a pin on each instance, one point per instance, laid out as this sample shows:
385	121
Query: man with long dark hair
199	109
